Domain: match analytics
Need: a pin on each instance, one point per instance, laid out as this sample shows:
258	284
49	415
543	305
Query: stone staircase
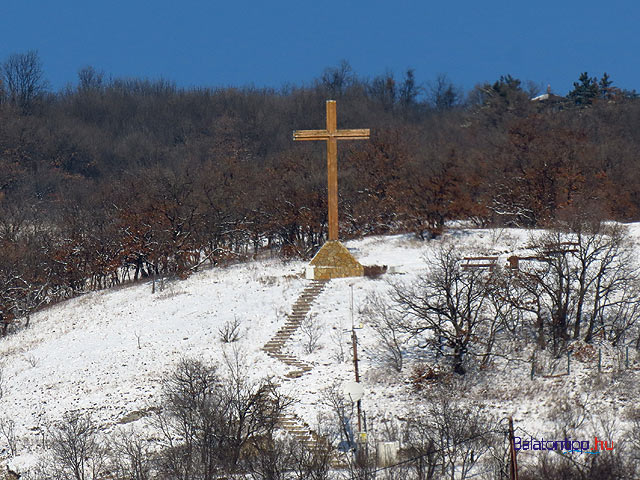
291	423
301	432
300	310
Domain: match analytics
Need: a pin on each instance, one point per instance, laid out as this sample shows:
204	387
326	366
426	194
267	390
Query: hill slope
106	352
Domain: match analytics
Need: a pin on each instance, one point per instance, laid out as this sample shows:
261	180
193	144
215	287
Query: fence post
533	365
626	360
599	360
568	363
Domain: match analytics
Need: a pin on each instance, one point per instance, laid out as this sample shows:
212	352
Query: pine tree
584	90
606	91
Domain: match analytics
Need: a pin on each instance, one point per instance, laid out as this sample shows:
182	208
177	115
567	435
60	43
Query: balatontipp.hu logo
563	446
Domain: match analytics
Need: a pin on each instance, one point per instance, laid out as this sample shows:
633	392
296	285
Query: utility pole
354	343
513	470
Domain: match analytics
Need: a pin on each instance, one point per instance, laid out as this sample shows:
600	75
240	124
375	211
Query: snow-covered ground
105	352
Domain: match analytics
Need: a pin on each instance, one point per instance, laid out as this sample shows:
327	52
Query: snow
106	351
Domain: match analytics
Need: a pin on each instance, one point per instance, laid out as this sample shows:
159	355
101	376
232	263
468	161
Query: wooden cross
332	135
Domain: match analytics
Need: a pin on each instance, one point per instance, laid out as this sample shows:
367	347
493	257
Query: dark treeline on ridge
121	179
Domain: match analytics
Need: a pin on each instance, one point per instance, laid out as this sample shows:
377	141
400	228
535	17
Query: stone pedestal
333	260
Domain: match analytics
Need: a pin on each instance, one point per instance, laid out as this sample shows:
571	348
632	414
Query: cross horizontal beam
346	134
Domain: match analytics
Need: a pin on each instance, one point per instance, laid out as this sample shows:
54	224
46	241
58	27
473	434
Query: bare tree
8	434
78	453
312	332
230	331
443	95
580	281
24	78
390	330
209	418
90	79
447	439
447	304
130	456
338	79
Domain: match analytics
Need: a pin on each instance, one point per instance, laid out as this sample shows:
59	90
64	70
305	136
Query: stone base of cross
333	260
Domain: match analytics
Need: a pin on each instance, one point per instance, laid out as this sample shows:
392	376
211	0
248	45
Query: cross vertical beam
331	135
332	170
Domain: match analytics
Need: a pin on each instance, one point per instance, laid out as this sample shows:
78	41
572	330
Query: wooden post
626	361
513	464
533	365
599	360
354	341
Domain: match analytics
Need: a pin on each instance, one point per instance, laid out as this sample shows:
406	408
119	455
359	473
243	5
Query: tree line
119	179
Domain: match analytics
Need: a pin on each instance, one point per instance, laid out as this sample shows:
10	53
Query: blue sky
197	43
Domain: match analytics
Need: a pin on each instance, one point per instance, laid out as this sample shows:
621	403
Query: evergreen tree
584	90
606	90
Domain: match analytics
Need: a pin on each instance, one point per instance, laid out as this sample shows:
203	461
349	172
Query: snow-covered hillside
105	352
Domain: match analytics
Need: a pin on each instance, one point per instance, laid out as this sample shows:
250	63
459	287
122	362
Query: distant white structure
547	96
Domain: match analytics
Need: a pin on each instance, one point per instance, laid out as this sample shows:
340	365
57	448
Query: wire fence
593	358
